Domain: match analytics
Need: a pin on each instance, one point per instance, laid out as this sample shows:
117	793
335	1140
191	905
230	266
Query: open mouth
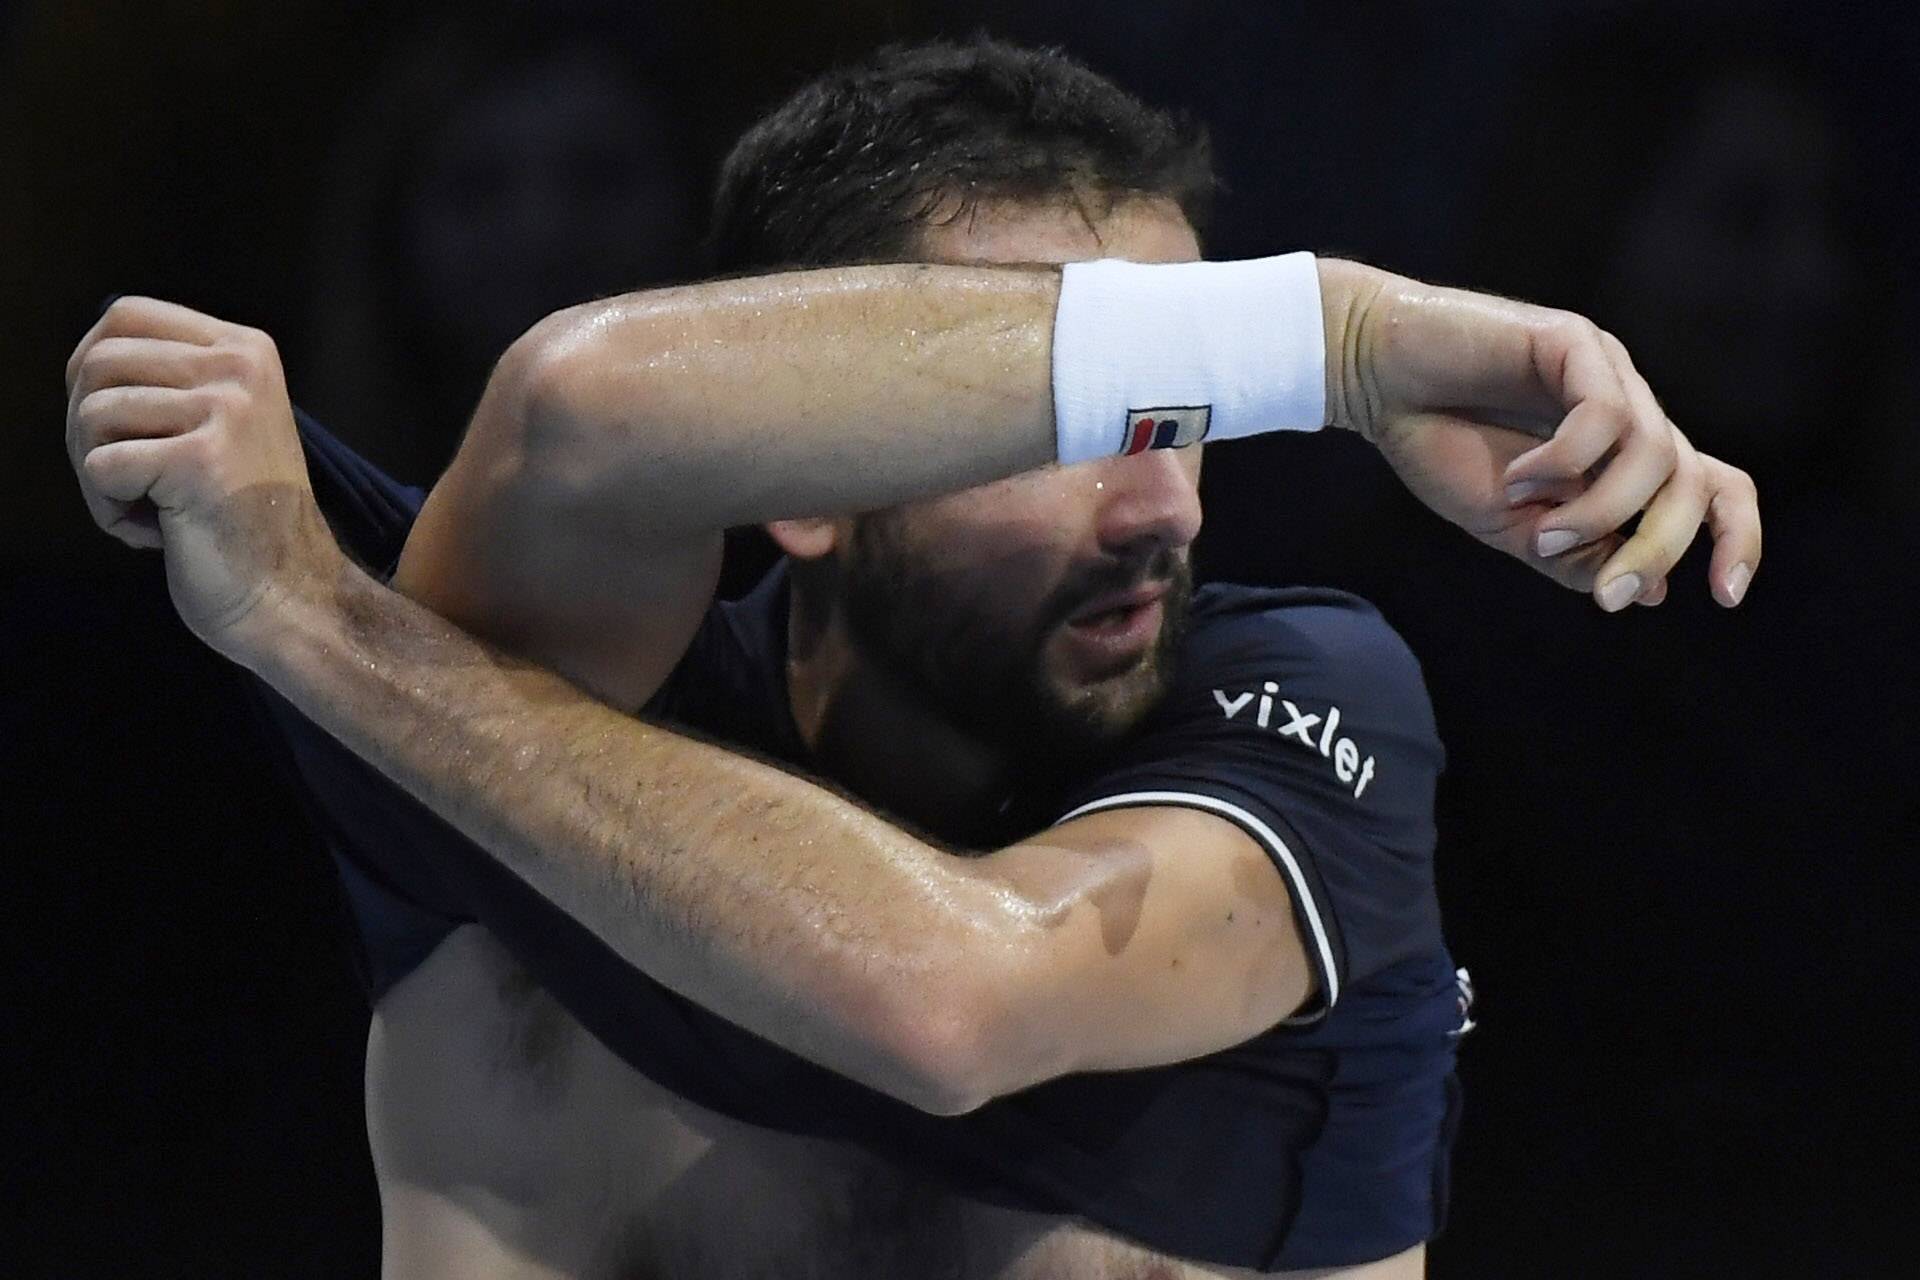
1112	635
1112	620
1116	607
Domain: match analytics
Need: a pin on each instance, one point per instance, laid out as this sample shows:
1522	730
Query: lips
1144	594
1114	634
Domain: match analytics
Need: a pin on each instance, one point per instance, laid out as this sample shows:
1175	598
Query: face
979	600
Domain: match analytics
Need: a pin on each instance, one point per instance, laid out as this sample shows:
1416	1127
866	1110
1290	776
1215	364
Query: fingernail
1520	462
1524	491
1737	582
1616	594
1552	542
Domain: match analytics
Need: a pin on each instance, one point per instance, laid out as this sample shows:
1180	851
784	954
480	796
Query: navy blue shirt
1298	715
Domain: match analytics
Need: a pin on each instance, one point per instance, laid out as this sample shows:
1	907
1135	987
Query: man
1169	997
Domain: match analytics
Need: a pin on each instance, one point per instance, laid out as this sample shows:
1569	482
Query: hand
182	436
1457	390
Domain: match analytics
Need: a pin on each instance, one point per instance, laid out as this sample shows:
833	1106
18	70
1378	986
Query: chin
1112	705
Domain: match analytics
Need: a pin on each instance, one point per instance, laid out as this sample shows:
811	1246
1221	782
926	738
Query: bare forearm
801	394
811	393
752	892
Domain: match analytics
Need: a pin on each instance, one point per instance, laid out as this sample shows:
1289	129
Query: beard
985	672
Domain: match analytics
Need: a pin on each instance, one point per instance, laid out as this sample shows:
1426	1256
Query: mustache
1166	567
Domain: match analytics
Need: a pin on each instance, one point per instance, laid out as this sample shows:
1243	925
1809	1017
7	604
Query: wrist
301	612
1162	355
1350	297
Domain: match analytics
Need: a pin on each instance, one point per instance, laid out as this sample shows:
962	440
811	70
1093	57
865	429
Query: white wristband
1159	355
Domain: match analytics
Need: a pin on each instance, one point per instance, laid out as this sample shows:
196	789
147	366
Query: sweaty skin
188	416
1111	880
1128	866
584	1169
818	1208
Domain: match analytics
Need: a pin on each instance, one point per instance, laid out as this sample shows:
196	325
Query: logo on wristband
1168	428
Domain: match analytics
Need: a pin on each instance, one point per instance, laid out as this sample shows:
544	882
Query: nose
1152	500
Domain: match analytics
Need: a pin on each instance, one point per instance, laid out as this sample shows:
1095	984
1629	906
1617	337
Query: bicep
573	580
1155	934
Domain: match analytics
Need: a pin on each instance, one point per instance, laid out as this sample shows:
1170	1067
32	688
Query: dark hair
851	167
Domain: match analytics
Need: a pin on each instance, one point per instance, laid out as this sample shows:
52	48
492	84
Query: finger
119	517
122	413
1575	569
1649	453
136	523
1548	493
1666	530
1733	519
126	470
1589	432
1654	594
133	316
136	317
1574	363
1630	480
153	362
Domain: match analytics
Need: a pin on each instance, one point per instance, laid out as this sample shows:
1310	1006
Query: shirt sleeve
1307	725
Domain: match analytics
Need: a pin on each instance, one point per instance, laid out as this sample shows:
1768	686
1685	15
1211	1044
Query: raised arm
940	980
580	522
764	898
755	399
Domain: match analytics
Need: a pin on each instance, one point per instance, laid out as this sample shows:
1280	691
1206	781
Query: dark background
1677	844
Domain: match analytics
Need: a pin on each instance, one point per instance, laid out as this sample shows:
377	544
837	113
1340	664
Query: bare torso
510	1143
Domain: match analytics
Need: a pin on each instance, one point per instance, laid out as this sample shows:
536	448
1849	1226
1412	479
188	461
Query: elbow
945	1100
540	385
960	1055
940	1074
565	413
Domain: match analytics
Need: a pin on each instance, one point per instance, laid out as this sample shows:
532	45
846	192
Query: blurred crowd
1677	844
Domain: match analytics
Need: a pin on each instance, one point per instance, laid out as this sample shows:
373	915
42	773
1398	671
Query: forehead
1140	228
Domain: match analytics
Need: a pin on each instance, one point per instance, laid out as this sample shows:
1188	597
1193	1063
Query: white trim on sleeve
1282	855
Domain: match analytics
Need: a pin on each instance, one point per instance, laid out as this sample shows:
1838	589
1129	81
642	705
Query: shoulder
1300	716
1306	694
1301	639
1320	610
1306	697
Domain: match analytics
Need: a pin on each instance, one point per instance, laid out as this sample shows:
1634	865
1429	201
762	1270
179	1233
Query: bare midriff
509	1142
